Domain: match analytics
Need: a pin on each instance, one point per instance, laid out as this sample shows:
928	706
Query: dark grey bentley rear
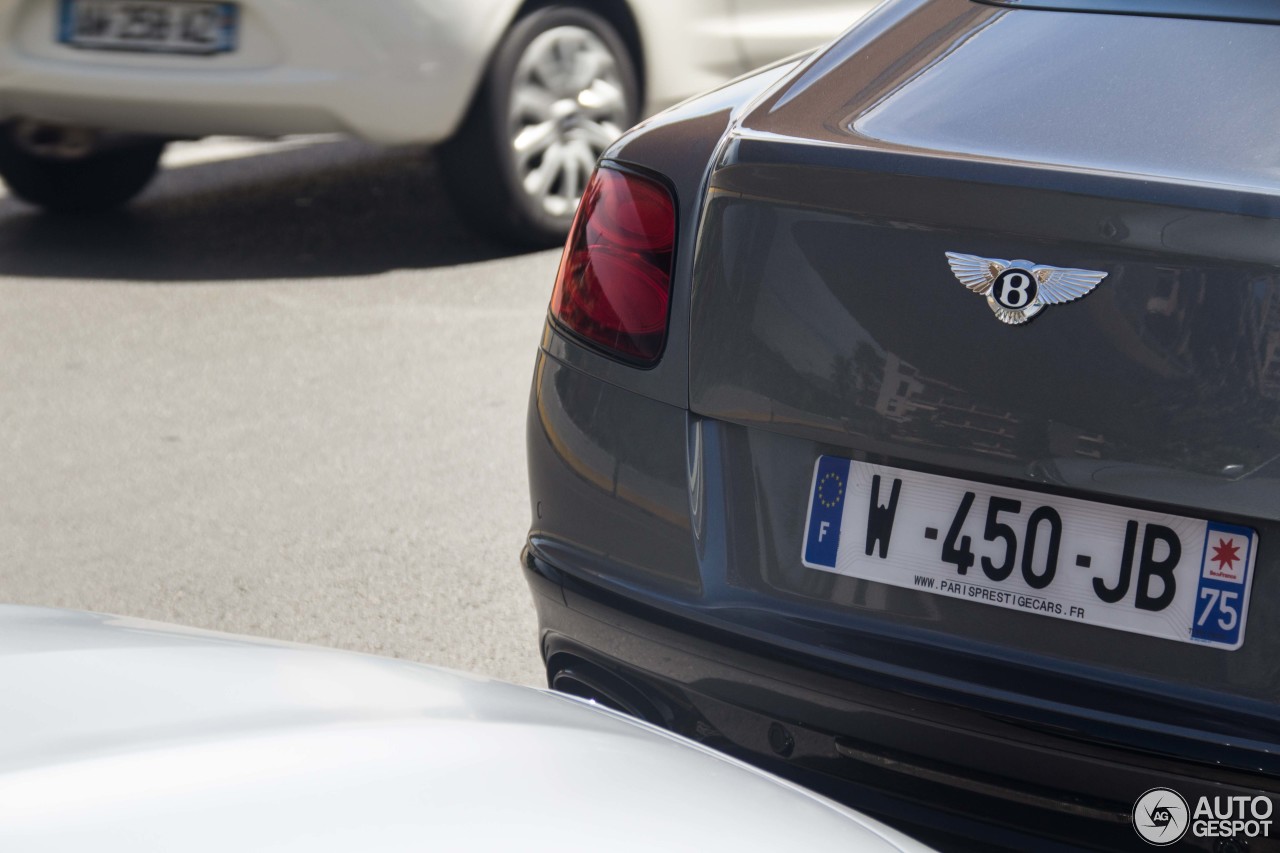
814	315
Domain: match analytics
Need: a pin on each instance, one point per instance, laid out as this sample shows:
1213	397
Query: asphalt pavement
284	395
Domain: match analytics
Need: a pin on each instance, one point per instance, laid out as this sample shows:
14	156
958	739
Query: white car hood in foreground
120	734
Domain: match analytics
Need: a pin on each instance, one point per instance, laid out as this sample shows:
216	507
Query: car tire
99	181
527	146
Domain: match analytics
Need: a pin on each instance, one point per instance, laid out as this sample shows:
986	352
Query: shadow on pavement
328	209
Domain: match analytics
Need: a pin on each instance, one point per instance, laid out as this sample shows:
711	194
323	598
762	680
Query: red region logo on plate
1225	555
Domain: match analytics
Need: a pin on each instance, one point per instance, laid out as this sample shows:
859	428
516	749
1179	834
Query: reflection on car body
992	580
135	735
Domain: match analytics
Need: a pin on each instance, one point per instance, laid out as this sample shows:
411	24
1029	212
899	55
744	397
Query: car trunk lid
826	320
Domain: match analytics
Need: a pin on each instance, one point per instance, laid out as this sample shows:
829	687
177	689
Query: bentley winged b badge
1018	290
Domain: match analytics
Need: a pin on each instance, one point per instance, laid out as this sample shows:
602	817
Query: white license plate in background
1150	573
157	26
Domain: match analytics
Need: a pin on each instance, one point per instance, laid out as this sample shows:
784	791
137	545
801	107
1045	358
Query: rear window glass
1260	11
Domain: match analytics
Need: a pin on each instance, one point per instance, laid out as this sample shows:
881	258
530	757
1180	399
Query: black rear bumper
952	776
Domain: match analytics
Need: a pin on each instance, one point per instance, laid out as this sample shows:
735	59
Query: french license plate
157	26
1150	573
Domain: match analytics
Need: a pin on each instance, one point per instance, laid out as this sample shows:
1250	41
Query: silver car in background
524	96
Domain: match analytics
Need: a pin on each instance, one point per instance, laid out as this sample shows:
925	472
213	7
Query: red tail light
614	285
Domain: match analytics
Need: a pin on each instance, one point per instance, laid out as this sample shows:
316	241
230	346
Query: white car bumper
390	71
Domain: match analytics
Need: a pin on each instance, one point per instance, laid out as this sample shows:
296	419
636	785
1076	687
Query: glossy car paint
1262	11
391	71
132	735
815	314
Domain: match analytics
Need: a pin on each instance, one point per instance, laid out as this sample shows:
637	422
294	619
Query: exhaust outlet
55	141
594	683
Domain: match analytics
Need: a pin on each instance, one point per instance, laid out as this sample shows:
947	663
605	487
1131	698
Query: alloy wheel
568	104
